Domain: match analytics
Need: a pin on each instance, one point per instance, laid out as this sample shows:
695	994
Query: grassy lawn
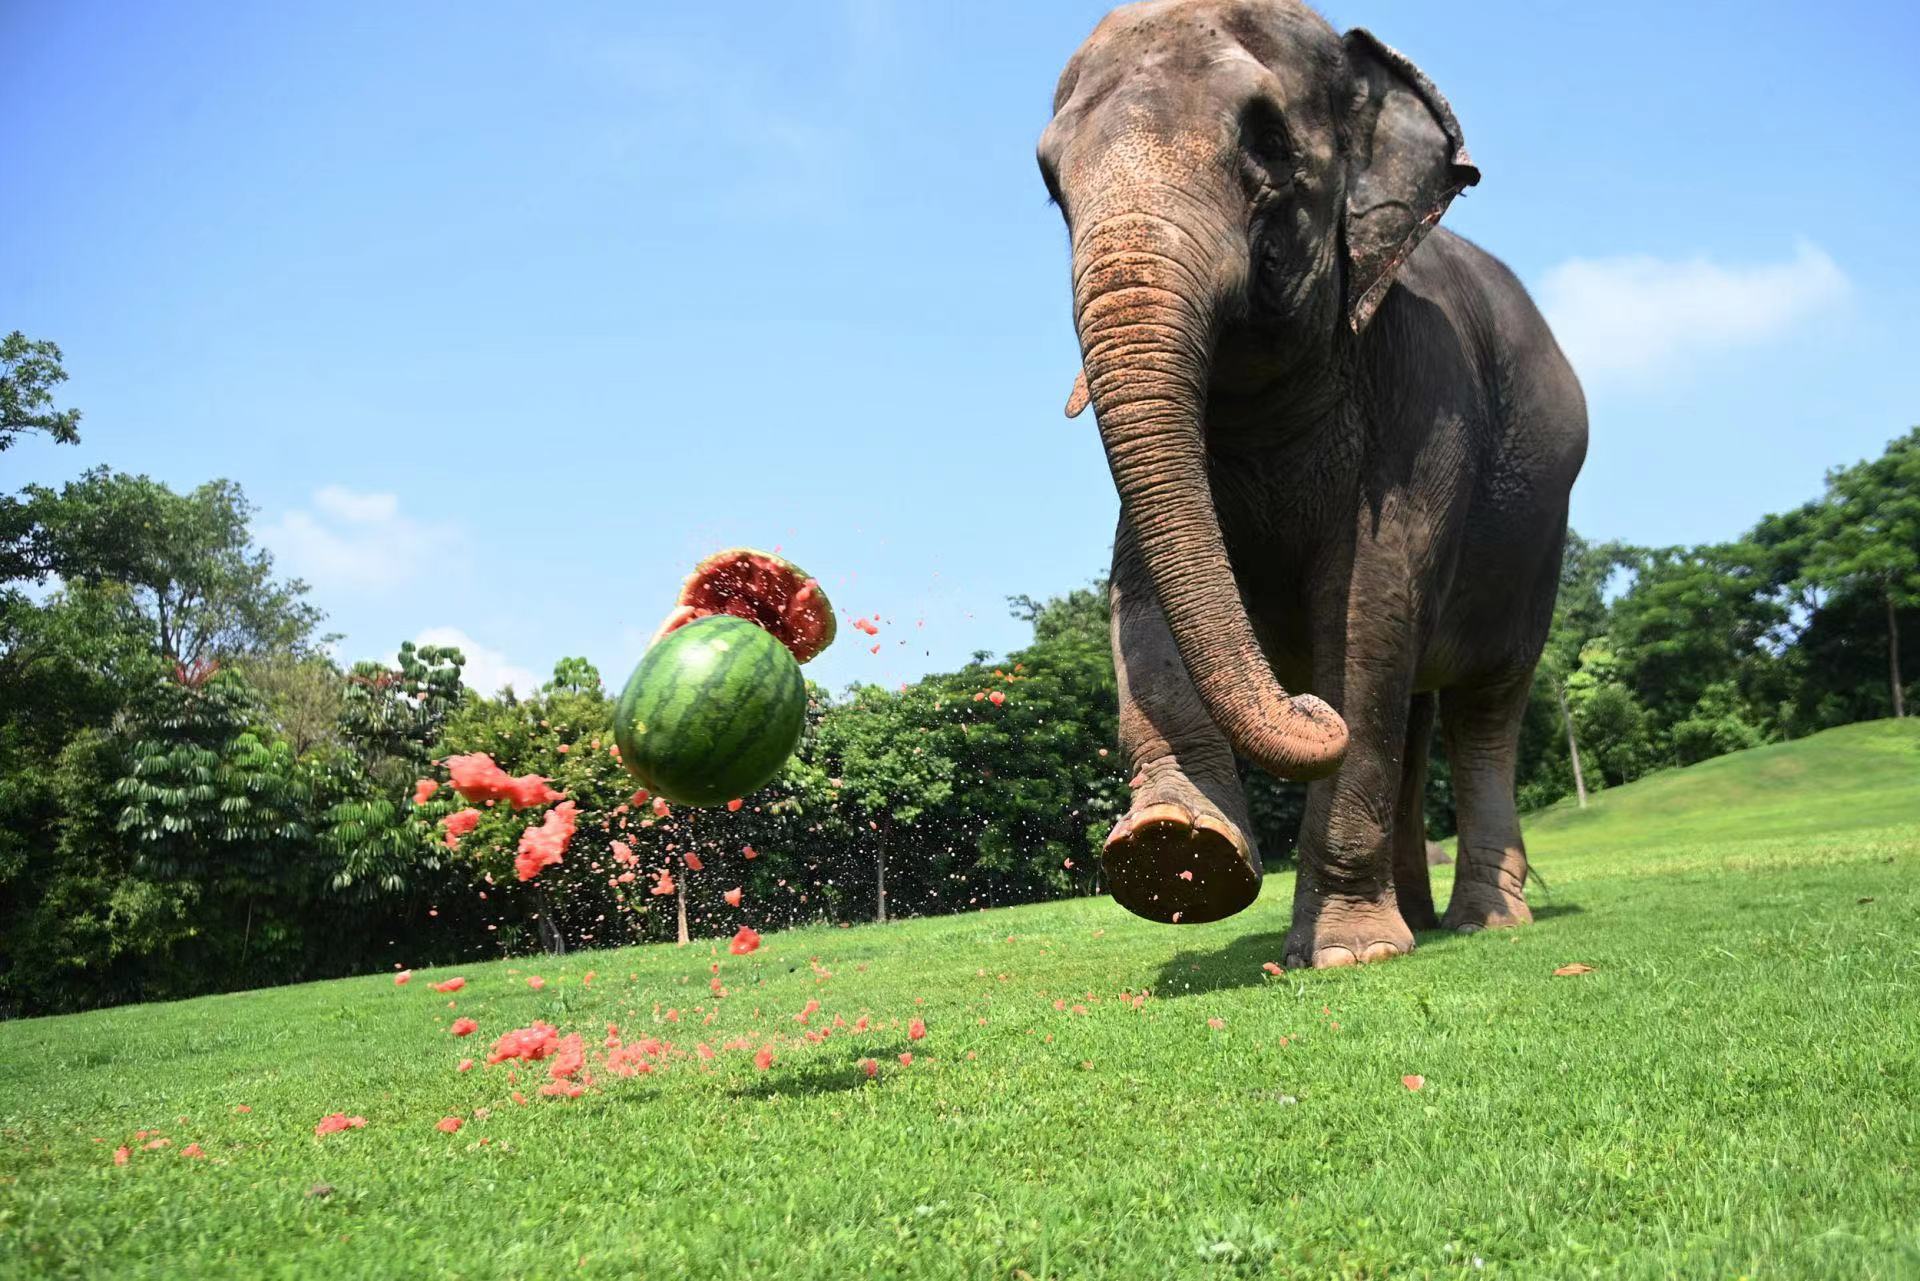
1734	1090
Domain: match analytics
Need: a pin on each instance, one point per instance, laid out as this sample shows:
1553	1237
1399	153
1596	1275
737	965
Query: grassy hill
1734	1088
1865	775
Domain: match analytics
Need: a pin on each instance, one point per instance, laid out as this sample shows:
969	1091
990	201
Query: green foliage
393	716
965	799
204	797
1691	618
1717	725
165	826
1866	532
87	926
1857	550
187	562
564	734
1615	730
303	697
1807	622
575	676
29	371
368	842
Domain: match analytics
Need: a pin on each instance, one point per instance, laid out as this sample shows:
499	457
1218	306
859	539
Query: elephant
1344	442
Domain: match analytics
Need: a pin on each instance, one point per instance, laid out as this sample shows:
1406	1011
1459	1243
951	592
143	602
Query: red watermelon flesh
762	588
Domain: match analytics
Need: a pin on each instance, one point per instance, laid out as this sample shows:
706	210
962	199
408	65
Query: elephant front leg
1182	853
1345	905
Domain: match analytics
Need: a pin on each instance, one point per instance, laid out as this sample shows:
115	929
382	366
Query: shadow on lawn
1238	964
1188	973
1430	939
820	1079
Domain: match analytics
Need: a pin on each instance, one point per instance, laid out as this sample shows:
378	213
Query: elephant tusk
1077	398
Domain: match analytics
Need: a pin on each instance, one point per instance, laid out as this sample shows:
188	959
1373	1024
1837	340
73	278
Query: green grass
1734	1090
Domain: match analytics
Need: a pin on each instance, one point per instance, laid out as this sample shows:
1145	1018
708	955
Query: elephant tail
1533	874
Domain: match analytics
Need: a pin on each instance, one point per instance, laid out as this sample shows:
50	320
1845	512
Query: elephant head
1229	167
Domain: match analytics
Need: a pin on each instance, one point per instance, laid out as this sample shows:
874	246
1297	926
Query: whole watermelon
712	712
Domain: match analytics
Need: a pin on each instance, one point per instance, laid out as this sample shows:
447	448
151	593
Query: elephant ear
1407	161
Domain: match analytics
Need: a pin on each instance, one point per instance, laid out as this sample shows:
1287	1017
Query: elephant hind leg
1183	853
1412	885
1483	740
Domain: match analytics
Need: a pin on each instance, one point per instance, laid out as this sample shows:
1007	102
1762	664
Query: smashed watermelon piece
762	588
542	846
528	1044
476	777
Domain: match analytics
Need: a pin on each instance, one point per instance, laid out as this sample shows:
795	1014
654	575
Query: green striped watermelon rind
712	712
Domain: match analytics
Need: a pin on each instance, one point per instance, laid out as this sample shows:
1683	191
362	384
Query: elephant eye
1266	136
1052	180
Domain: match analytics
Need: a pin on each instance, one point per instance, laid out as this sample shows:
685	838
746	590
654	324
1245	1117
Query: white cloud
487	670
349	541
1637	315
359	509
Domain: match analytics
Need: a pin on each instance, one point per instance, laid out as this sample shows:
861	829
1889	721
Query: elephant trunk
1146	296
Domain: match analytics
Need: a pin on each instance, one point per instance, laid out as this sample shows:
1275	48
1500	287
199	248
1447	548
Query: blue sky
504	318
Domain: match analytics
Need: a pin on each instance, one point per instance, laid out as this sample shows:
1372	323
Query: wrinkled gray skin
1343	448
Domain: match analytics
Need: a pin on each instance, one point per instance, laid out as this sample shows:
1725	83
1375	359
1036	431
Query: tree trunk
1573	745
550	936
880	866
166	633
680	904
1893	653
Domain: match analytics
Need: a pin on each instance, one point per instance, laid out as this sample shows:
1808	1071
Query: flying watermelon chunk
762	588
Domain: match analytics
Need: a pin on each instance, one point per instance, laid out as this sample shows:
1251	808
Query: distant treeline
194	797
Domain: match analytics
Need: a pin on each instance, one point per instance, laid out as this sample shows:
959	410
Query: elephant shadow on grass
825	1078
1238	964
1542	914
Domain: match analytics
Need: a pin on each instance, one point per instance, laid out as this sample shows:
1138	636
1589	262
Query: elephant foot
1487	897
1331	930
1172	863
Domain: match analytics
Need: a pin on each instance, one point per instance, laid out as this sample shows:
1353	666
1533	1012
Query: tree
1609	717
392	716
187	560
880	766
1716	725
87	927
29	371
1692	618
206	799
565	736
1579	615
68	665
303	696
1864	537
575	676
